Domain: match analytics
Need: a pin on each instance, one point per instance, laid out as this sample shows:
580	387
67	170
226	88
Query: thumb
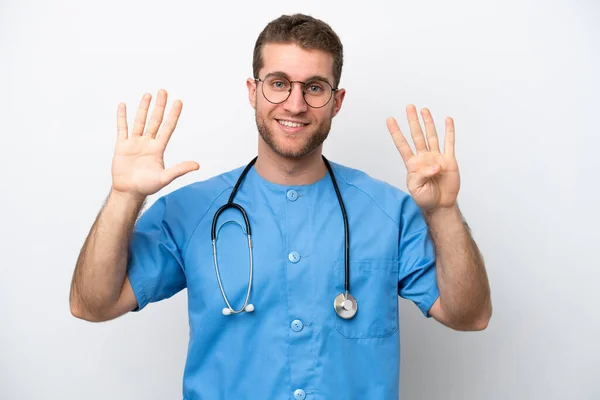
170	174
431	170
422	175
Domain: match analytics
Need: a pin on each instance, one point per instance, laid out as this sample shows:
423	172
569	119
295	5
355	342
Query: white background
520	79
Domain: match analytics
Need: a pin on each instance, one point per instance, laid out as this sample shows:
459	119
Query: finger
432	137
399	140
178	170
157	114
121	122
169	126
140	117
449	140
415	129
424	174
429	171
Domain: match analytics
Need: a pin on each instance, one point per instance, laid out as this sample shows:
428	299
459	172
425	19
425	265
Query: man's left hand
432	177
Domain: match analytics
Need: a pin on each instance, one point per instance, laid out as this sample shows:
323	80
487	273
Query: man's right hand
138	168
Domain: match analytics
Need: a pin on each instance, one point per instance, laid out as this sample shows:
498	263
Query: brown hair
305	31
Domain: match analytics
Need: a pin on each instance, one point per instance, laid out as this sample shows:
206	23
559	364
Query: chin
288	150
294	145
292	142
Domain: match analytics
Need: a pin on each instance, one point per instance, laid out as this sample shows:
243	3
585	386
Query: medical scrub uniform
293	345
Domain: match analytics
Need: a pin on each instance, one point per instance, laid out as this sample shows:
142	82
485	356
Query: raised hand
432	177
138	167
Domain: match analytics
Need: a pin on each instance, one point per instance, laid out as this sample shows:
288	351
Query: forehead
296	62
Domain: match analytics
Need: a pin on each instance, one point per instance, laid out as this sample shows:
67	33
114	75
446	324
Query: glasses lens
317	93
276	89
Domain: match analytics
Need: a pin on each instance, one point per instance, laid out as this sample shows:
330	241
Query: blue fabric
293	340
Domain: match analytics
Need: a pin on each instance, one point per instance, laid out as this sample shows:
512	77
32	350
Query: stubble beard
314	140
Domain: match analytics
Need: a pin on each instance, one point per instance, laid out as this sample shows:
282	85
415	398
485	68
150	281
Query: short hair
304	31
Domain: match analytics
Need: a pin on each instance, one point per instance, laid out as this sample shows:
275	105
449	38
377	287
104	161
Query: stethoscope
345	304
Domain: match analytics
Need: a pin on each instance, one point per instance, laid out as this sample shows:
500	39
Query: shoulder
391	200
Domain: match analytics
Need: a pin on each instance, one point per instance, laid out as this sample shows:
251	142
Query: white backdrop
520	79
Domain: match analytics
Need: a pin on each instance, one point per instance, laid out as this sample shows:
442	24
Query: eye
315	88
279	85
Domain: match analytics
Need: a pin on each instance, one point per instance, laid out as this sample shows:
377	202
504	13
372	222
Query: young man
293	293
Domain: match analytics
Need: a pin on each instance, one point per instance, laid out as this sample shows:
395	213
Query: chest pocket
374	285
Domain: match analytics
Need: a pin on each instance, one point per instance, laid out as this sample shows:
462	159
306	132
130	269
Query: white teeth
290	124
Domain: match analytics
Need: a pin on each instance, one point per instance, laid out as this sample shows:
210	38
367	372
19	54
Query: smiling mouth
291	124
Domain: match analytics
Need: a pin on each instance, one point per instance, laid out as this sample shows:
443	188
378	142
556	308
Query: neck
289	171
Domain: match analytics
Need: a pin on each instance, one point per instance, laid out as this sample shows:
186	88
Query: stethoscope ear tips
249	307
226	311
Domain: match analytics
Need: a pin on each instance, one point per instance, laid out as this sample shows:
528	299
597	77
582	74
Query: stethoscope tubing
231	204
346	230
214	245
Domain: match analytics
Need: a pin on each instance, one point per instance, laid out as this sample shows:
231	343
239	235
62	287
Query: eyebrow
282	74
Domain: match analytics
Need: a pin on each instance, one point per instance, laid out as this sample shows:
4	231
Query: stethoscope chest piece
345	305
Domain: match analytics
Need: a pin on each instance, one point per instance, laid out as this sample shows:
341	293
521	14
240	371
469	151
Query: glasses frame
303	84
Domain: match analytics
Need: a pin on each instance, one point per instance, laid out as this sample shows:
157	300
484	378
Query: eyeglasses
277	89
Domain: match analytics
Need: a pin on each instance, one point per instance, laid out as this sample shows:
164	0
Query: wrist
442	212
446	221
126	198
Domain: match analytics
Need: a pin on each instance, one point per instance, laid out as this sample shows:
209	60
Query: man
309	309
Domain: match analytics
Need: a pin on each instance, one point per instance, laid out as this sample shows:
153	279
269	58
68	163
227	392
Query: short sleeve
155	266
417	279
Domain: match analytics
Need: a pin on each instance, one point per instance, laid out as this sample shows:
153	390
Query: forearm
102	263
462	279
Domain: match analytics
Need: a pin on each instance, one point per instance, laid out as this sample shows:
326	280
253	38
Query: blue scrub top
293	346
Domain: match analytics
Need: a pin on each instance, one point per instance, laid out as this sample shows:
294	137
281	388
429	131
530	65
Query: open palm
432	177
138	162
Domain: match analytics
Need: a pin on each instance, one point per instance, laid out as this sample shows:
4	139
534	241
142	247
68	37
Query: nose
295	103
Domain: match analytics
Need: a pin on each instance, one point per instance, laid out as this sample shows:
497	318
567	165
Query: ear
251	85
338	99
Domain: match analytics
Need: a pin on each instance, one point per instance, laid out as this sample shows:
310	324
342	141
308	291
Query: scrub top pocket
374	285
